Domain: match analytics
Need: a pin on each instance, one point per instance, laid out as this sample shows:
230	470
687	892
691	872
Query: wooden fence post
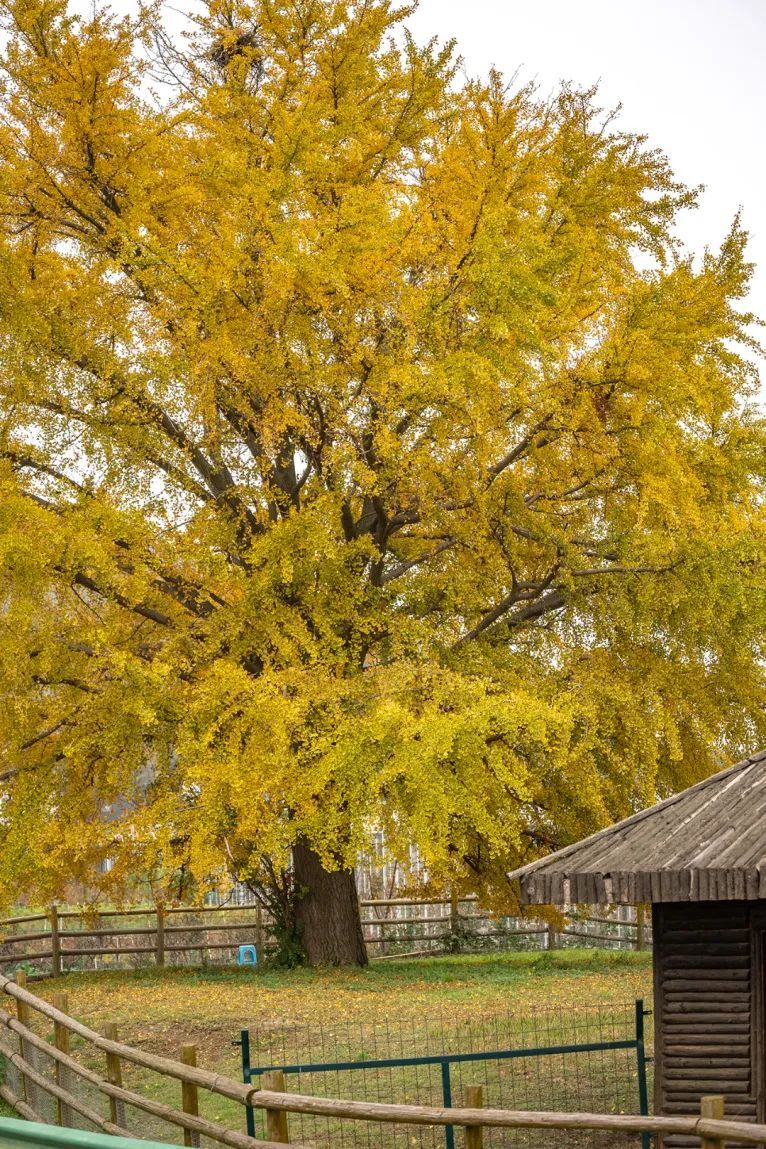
189	1095
259	931
160	955
22	1009
276	1119
53	919
640	926
553	940
454	921
712	1106
61	1041
23	1015
114	1077
474	1099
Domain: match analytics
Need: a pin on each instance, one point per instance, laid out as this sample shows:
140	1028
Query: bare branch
45	734
28	461
403	567
490	617
539	606
520	449
593	572
554	600
141	609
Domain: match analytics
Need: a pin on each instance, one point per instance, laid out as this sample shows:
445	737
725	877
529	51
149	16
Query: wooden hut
700	859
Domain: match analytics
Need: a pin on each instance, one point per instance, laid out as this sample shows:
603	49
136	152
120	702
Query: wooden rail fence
388	923
20	1041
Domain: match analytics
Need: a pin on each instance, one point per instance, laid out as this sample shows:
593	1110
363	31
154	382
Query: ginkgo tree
371	454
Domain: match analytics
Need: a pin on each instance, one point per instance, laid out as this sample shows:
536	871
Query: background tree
370	453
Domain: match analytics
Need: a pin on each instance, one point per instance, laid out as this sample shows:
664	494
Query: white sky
690	74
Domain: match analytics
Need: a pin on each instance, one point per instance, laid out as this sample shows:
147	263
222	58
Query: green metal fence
565	1060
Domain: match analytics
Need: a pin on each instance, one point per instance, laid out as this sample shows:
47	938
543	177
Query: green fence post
643	1092
449	1132
244	1044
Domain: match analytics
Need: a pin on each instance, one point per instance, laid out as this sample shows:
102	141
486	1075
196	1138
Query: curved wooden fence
42	1066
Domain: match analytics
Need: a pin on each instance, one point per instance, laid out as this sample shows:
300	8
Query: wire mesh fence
603	1080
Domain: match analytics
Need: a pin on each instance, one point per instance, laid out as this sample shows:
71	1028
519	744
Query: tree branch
536	609
402	567
520	448
148	612
593	572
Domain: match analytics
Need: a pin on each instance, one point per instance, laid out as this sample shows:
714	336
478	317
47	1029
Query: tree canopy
371	453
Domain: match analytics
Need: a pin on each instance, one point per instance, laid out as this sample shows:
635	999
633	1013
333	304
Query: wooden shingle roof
707	843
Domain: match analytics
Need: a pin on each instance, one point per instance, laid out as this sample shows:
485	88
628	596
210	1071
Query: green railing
22	1134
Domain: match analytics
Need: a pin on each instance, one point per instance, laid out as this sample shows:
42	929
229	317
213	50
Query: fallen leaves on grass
177	1002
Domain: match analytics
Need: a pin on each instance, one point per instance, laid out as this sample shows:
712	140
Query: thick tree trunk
327	911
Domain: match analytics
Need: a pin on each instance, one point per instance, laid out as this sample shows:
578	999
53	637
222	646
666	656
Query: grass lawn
394	1008
161	1010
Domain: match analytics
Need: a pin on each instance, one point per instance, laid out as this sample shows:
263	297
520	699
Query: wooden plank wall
705	1004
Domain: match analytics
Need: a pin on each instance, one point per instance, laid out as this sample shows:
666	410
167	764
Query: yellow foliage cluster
370	453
